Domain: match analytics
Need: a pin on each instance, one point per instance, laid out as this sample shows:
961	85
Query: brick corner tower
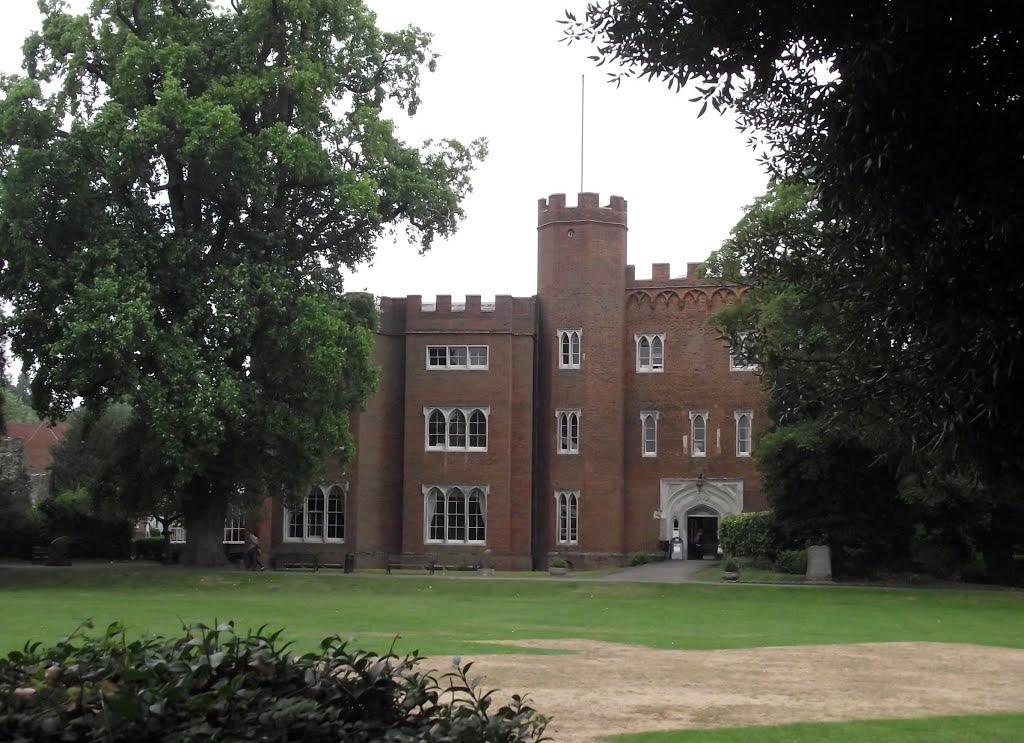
581	282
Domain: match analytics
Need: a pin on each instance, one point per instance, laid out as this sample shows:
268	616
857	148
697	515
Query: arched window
699	426
436	429
335	513
452	517
569	349
435	515
478	430
457	430
657	353
649	423
477	509
456	516
320	518
568	521
650	352
743	432
644	353
315	514
568	431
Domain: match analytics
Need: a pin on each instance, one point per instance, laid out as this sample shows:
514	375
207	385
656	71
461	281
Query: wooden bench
413	561
285	560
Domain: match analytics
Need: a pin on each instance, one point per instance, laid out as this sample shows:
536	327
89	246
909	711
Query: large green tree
907	120
181	182
851	470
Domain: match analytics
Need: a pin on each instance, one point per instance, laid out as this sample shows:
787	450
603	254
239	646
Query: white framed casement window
457	357
320	518
567	504
569	348
234	526
456	429
455	514
739	353
567	423
744	426
649	433
650	352
698	433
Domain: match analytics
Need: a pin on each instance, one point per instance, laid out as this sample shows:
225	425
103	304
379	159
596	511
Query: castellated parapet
507	314
661	277
553	210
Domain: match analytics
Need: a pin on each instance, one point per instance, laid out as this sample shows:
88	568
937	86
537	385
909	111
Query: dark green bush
637	558
792	561
20	531
92	535
752	535
212	684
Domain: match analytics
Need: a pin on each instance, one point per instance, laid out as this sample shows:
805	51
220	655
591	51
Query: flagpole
583	90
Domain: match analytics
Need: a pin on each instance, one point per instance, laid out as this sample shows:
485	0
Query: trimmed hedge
792	561
211	684
753	535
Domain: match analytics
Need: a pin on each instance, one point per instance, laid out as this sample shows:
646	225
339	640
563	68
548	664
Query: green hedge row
212	684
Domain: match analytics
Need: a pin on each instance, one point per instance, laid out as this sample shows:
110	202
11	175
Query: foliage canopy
180	184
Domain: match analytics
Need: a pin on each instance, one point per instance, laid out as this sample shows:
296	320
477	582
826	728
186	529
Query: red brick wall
583	282
581	257
506	388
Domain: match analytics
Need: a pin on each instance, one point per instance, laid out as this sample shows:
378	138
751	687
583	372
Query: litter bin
350	562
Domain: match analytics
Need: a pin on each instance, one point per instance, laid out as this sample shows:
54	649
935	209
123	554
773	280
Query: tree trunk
204	512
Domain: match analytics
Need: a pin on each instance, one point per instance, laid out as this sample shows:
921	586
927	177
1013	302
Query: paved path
667	571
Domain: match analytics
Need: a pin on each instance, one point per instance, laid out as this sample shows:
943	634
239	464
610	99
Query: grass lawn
443	615
969	729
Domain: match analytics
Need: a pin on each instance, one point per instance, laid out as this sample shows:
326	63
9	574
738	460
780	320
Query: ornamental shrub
753	535
213	684
792	561
637	558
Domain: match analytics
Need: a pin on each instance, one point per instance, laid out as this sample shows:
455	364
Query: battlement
661	275
400	315
553	210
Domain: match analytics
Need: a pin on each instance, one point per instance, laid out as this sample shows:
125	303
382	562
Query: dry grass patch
599	689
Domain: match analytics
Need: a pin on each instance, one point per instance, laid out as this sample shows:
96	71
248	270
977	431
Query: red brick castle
603	416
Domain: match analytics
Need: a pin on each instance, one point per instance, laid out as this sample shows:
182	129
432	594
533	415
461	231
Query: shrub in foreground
212	684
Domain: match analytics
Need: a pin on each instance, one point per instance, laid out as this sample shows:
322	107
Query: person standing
252	552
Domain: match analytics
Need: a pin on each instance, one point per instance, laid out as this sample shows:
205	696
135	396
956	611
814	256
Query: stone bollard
819	563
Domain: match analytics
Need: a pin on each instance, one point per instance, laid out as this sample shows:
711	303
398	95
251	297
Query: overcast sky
504	75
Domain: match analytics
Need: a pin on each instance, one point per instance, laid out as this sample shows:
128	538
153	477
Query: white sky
504	75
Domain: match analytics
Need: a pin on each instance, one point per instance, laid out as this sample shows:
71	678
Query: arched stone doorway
691	505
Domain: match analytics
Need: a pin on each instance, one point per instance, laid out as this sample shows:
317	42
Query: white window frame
648	417
565	418
449	415
449	494
307	524
694	415
567	517
737	360
651	365
749	415
570	348
450	350
233	525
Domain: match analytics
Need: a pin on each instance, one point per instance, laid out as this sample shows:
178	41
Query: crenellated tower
581	282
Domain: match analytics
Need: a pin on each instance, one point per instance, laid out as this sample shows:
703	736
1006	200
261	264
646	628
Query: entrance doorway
702	536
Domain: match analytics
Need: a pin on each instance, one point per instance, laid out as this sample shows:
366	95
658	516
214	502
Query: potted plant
557	566
730	569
